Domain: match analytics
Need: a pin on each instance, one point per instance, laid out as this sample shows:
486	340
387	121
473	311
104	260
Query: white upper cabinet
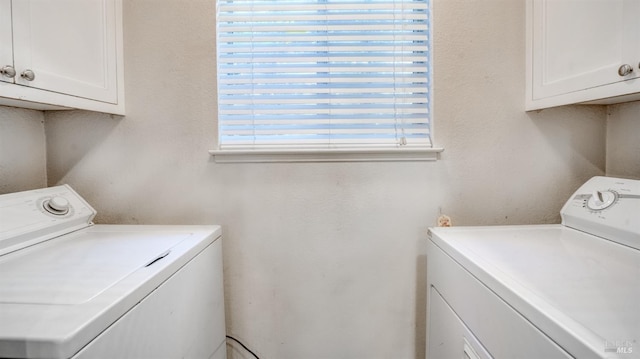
65	53
6	51
582	51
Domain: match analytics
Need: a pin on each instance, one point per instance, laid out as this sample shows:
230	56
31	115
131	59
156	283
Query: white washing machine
570	290
71	289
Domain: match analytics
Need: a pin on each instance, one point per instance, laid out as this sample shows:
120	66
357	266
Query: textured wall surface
22	150
623	141
326	260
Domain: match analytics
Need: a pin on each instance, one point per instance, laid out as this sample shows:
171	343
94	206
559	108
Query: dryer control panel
30	217
607	207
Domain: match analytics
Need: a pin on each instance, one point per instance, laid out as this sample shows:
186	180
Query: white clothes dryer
72	289
570	290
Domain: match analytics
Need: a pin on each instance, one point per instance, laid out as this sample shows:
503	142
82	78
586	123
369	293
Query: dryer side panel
496	325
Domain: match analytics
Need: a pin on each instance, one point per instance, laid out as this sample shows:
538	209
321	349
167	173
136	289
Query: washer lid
74	270
581	290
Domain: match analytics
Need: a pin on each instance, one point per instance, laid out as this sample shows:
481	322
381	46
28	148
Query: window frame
343	154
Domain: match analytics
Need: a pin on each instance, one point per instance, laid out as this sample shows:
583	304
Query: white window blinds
323	74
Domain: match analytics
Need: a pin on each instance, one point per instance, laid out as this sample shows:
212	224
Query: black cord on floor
242	345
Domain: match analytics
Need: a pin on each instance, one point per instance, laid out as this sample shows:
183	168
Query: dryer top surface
587	285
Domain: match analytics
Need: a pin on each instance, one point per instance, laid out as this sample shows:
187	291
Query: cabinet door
6	48
68	44
580	44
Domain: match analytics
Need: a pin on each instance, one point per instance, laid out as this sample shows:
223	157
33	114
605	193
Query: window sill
326	155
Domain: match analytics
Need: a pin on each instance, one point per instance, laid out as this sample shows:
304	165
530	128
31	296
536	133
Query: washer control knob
57	205
600	200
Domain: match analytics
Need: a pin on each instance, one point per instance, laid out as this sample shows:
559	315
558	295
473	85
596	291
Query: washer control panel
29	217
607	207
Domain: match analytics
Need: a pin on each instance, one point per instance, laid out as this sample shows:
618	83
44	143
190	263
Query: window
347	76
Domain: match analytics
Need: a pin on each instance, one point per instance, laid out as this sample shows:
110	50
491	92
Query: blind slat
324	73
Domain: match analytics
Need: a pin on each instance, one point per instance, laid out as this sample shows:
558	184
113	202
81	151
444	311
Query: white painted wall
22	150
326	260
623	140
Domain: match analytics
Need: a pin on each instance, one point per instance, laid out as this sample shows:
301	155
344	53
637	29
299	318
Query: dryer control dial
600	200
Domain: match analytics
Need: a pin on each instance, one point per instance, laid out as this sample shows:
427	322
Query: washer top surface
570	284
